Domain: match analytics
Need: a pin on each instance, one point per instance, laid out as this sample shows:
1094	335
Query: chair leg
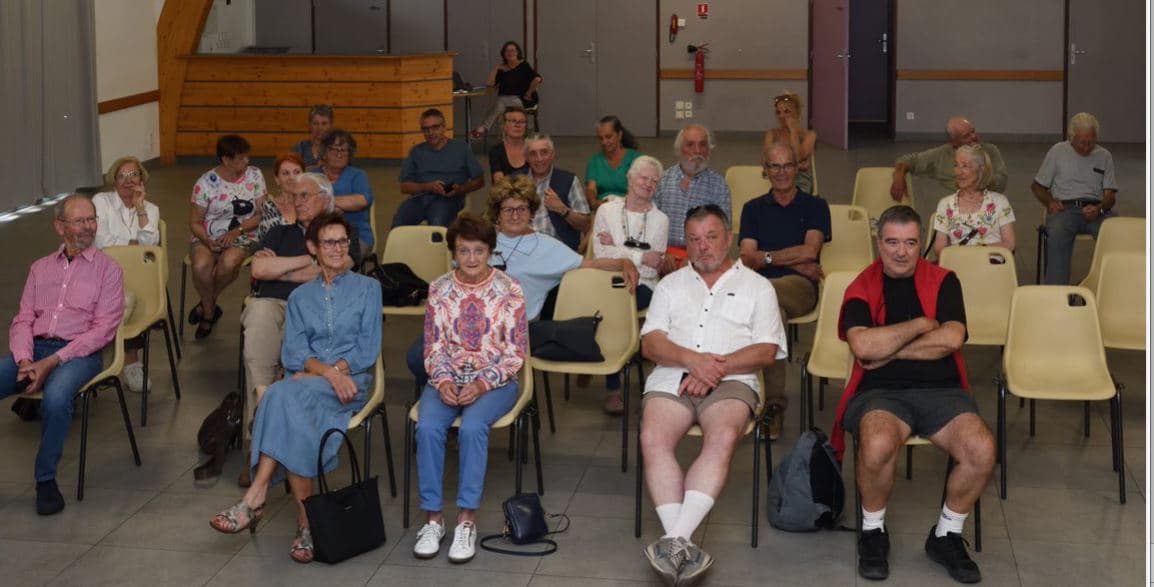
909	462
978	525
172	321
1040	262
1033	406
549	402
803	394
625	420
83	443
1086	419
757	431
240	361
857	499
168	344
534	428
147	388
183	289
637	489
1119	448
1002	437
388	449
821	393
566	387
519	425
408	467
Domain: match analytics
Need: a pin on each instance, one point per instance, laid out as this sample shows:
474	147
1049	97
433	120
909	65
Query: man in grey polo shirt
1076	185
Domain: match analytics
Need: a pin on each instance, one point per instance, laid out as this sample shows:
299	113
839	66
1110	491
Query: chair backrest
145	270
989	278
1120	233
745	182
162	228
422	248
587	291
1053	337
375	399
524	396
871	190
851	248
1122	300
830	354
813	172
372	211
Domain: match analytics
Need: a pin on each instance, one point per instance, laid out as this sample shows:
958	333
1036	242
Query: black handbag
399	285
566	340
345	522
525	524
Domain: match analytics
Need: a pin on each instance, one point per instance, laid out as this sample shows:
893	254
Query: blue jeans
415	359
436	210
1061	230
433	425
56	408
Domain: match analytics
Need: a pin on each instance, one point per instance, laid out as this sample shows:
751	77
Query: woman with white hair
973	215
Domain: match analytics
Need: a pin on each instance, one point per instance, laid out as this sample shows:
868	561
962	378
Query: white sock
873	520
668	514
950	521
694	508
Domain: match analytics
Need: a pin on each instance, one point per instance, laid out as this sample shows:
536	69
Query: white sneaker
134	377
464	543
429	539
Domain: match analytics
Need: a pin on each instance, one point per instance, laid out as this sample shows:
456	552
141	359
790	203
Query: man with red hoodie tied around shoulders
905	323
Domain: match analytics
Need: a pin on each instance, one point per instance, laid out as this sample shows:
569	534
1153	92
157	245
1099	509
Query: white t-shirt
116	224
740	310
650	227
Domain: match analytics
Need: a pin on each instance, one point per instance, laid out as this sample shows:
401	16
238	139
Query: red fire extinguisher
699	52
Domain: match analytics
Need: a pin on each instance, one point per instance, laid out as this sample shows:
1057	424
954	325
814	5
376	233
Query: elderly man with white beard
685	186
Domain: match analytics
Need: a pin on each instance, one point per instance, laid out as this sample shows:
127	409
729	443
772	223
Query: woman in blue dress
332	339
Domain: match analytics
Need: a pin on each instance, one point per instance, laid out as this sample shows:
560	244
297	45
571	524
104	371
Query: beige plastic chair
371	256
424	250
871	190
364	419
1043	235
757	425
585	292
1120	233
163	229
851	248
989	277
523	417
110	376
1122	300
1054	352
829	357
145	271
746	182
813	171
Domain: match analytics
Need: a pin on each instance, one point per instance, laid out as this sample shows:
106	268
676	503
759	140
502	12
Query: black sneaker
873	549
950	552
48	498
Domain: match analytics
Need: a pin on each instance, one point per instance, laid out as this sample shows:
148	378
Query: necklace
625	225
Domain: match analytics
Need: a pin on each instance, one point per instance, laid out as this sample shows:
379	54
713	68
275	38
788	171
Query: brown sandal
301	550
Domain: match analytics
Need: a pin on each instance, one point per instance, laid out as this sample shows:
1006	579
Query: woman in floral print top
973	215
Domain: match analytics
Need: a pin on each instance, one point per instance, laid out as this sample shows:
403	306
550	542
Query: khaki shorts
727	390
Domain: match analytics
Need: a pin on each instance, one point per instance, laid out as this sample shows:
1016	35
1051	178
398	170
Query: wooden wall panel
305	94
257	119
326	68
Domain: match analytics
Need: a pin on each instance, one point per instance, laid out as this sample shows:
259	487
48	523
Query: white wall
126	65
229	28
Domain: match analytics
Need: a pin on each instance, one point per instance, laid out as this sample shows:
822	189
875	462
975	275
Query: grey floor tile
609	493
1074	516
108	565
601	548
487	523
1083	468
86	522
549	581
36	563
1048	563
781	558
428	576
179	521
273	570
909	565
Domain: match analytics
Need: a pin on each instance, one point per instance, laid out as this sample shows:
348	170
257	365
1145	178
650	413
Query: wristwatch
768	259
565	214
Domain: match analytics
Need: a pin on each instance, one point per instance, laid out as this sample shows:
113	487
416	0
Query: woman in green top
605	173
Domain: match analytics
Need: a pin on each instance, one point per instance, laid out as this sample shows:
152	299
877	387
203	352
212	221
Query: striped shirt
81	301
707	187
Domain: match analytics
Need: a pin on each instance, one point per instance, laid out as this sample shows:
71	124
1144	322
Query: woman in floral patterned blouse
973	215
475	344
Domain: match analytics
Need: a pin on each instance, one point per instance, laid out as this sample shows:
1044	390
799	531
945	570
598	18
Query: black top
516	82
775	227
499	161
288	240
902	305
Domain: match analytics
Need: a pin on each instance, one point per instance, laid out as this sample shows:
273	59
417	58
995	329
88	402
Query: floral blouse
475	332
988	220
221	199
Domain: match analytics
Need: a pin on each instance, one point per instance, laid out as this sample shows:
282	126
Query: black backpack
807	492
399	285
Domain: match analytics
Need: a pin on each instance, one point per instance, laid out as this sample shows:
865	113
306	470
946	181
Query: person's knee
979	450
56	404
473	431
877	448
722	437
426	430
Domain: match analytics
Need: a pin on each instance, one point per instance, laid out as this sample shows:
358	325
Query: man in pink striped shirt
71	307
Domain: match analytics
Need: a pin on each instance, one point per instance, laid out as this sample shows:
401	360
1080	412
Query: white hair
644	161
1082	122
324	188
681	137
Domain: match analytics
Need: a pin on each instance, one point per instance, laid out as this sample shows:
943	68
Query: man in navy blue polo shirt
781	237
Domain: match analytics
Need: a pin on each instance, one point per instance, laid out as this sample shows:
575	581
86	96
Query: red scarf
868	287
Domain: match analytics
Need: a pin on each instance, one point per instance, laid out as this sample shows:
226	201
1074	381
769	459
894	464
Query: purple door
829	72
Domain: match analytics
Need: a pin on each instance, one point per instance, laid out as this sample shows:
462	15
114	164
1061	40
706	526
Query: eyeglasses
304	195
432	127
778	167
80	221
127	175
519	122
341	149
783	98
335	243
514	210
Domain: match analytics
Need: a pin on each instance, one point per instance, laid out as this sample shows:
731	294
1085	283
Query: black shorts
925	411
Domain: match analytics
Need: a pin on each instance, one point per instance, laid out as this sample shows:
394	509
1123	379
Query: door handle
591	53
1075	52
842	55
885	41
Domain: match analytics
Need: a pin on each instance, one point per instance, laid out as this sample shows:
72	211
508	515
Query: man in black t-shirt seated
905	324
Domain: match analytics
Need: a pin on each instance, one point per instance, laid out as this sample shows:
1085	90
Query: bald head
961	132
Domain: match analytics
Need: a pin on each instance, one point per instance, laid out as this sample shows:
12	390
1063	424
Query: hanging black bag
566	340
345	522
399	285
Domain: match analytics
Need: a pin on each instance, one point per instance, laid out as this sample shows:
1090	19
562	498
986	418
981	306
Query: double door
597	58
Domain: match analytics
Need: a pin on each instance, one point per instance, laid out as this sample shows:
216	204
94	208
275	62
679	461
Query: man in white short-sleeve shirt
712	326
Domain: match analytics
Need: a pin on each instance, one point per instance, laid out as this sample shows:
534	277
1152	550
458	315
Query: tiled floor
1061	524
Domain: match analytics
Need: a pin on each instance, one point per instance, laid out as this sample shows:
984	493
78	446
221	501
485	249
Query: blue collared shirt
707	187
